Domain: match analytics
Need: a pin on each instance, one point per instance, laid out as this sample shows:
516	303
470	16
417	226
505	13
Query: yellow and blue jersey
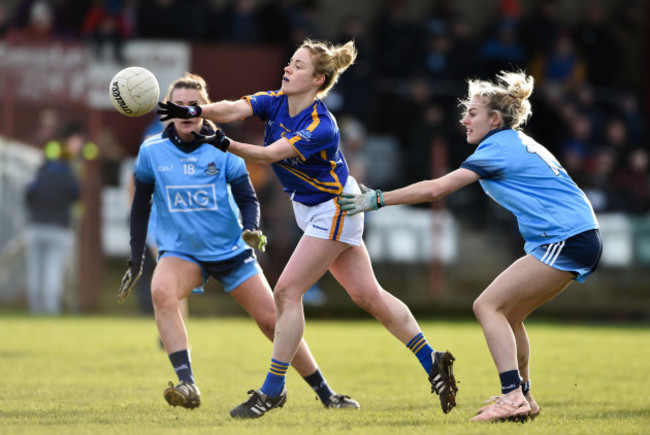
320	171
525	178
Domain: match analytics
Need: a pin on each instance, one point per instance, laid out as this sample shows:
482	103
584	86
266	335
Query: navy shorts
578	254
231	272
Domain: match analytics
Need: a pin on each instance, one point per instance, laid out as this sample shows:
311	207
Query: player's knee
285	295
478	308
162	296
365	300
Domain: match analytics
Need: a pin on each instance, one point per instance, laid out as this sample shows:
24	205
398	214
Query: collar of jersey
186	147
495	131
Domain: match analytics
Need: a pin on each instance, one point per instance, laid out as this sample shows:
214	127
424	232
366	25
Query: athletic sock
275	379
319	385
510	381
419	346
525	387
182	365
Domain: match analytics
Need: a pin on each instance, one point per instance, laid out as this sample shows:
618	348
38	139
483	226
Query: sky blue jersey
524	177
196	212
320	171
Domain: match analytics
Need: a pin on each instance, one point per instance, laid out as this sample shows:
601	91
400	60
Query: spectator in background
560	65
579	141
598	46
39	26
46	127
627	106
632	183
540	27
355	88
105	23
353	141
629	26
430	128
503	50
5	22
50	238
394	35
168	19
599	187
238	22
616	138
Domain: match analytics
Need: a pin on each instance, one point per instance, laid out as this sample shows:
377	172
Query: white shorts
327	221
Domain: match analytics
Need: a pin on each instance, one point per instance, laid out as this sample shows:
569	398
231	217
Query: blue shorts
231	272
578	254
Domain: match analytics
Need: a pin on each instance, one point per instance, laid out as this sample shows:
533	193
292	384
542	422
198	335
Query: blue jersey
196	213
524	177
320	171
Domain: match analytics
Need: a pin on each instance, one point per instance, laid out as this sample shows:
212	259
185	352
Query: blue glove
367	200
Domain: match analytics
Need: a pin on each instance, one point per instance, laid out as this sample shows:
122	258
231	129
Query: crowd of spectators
588	105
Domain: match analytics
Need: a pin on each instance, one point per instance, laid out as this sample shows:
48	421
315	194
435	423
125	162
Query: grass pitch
107	374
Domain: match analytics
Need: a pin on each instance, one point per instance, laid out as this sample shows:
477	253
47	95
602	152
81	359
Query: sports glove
255	239
368	199
170	110
131	277
218	140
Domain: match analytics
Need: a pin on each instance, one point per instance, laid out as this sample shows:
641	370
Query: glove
218	140
131	277
170	110
367	200
255	239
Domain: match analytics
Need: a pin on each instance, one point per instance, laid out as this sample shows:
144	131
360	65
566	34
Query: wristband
380	198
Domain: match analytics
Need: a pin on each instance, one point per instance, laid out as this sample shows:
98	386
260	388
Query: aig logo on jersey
191	198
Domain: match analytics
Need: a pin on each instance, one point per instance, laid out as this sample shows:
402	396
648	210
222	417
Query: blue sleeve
249	206
140	210
488	161
143	171
261	102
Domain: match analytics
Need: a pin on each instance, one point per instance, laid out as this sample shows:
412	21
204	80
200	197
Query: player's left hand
255	239
368	199
171	110
129	280
218	140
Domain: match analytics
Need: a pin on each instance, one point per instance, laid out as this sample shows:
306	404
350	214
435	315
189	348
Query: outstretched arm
222	111
279	150
422	191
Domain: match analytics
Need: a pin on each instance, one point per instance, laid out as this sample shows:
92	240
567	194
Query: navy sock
182	366
275	378
525	387
422	351
319	385
510	381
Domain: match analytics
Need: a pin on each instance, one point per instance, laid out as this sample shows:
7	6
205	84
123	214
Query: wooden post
91	258
436	268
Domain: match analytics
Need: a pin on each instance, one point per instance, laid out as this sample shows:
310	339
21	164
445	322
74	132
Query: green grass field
107	374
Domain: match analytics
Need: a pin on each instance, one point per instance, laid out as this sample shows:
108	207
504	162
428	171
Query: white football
134	91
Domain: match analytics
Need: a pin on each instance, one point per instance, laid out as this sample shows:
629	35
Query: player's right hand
255	239
130	279
218	140
170	110
367	200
